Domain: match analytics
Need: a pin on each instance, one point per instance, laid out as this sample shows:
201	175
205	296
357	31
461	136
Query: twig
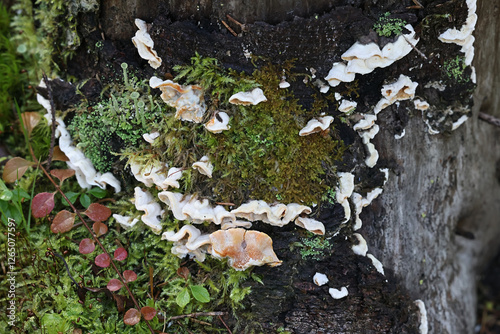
198	314
66	265
415	48
418	5
220	318
490	119
53	113
93	236
242	26
229	28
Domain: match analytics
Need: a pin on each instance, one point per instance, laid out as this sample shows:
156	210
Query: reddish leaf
87	246
102	260
132	317
15	168
148	312
59	155
63	222
183	272
42	204
62	174
120	254
99	229
114	284
30	120
98	212
129	276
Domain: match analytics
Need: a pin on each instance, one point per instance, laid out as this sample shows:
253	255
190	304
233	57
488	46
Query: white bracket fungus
204	166
316	125
150	137
187	100
253	97
376	263
421	105
459	122
338	294
372	158
144	44
364	58
195	245
218	123
85	173
463	37
360	202
125	221
244	248
366	123
422	315
284	84
401	89
311	225
347	106
153	173
361	248
344	191
144	201
320	279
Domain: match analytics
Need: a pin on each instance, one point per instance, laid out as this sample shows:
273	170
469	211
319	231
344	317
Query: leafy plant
387	26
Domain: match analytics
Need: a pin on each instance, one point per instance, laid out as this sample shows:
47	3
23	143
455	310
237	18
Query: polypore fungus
344	191
253	97
85	173
155	173
150	137
316	125
125	221
361	248
195	245
144	44
338	294
187	100
401	89
376	263
347	106
218	123
144	201
364	58
422	316
311	225
320	279
244	248
204	166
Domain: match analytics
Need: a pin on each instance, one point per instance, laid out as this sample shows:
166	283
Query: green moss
387	26
116	122
314	247
261	156
454	69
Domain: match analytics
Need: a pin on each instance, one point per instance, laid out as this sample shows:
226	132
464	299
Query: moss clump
116	122
387	26
454	69
261	156
314	247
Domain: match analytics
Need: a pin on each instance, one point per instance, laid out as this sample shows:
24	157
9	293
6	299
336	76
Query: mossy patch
261	156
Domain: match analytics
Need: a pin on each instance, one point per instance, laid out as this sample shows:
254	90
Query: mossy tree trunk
437	221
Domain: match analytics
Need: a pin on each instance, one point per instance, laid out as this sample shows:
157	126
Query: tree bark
436	223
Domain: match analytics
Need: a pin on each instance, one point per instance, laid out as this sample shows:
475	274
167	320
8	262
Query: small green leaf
97	192
5	193
183	298
85	200
72	196
200	293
